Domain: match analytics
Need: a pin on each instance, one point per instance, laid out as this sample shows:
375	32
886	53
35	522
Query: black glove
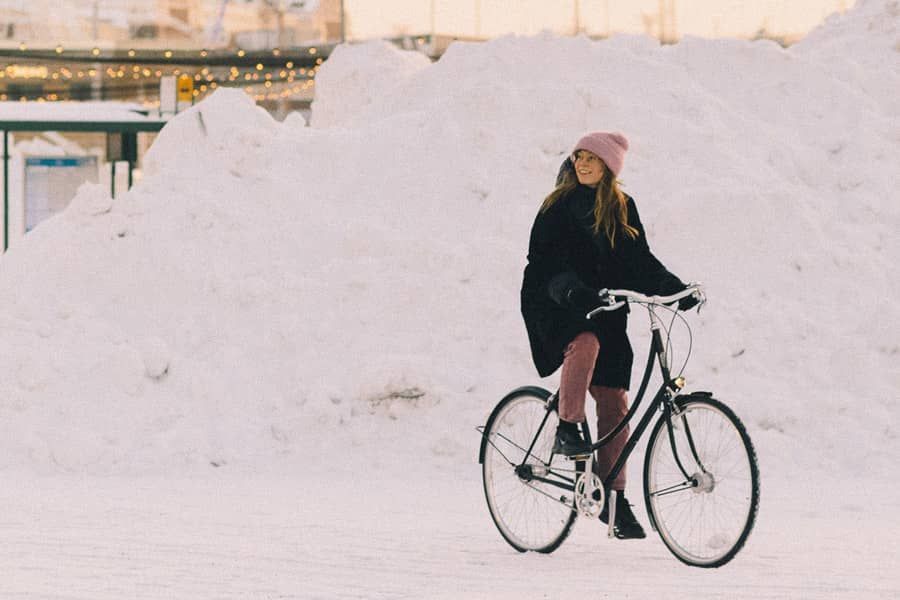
583	299
688	302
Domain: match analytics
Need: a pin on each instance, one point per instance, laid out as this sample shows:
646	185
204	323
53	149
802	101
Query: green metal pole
5	190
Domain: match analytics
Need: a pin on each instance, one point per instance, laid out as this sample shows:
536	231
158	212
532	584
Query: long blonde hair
610	206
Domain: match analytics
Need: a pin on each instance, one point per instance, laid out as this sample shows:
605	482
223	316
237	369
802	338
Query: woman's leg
577	369
612	406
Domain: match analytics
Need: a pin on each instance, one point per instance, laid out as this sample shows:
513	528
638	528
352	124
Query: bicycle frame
663	399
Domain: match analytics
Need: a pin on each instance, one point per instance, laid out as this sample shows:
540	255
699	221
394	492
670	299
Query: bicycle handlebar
609	297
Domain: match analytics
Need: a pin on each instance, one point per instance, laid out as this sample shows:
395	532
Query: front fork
673	414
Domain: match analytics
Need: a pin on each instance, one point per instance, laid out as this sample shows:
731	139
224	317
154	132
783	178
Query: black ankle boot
627	526
569	441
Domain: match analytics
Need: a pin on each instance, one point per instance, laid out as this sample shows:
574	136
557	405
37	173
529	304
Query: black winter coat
564	254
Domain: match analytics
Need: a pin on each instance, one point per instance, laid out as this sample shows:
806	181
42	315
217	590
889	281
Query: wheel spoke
678	487
706	524
528	512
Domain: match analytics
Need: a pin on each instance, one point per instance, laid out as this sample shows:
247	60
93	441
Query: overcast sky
369	18
487	18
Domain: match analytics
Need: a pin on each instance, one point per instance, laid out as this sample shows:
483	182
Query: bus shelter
120	122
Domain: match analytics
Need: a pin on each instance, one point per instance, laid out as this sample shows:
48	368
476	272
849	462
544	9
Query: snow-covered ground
312	534
258	374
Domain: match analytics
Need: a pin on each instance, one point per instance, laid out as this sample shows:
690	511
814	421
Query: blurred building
251	24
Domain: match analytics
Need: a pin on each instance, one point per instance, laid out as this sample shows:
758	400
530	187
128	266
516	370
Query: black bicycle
701	480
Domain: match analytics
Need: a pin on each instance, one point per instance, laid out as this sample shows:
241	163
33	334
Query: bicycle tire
530	515
704	525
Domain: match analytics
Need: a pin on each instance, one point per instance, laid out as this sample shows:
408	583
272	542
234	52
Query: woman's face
588	167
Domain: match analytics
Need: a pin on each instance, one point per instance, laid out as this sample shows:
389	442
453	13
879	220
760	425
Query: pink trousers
579	359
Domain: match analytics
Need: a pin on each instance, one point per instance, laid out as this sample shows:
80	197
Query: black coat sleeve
549	261
648	275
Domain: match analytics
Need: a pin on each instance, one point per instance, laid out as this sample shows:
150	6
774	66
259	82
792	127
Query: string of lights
37	75
302	55
122	83
53	74
281	88
25	72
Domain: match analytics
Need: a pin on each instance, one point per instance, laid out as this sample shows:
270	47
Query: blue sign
76	161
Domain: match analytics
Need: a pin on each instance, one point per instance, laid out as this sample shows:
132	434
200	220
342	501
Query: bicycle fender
682	398
529	389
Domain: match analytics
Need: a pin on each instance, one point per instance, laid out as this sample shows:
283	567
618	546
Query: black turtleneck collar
581	202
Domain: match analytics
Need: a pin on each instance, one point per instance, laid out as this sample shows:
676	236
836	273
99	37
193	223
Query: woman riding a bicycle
587	236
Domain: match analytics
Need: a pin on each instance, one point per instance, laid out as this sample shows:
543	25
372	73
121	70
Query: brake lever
702	302
699	295
607	304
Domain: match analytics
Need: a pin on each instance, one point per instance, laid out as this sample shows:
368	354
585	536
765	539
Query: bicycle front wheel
701	482
529	490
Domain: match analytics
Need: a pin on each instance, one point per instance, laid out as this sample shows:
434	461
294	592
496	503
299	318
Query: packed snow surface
272	295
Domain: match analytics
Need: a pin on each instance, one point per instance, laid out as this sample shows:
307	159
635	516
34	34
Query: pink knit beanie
610	147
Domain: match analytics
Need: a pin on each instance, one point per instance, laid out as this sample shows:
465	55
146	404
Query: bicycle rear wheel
530	495
704	518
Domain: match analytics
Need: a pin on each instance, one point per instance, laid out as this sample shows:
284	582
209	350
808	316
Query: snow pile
271	289
862	49
868	35
350	84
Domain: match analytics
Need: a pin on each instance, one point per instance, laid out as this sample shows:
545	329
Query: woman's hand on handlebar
697	297
690	296
688	302
583	299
